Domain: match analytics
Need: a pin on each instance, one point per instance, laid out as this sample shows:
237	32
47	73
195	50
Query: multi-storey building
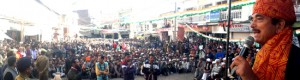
206	17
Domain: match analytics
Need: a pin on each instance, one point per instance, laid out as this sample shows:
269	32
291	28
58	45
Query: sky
27	10
142	9
31	10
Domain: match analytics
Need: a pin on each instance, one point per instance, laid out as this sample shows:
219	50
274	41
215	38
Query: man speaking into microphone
271	23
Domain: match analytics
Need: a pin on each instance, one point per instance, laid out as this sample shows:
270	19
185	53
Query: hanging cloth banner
213	38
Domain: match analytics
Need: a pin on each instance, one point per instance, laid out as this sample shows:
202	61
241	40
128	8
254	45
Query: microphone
249	41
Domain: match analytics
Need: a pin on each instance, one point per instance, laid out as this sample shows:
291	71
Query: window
224	15
240	15
142	28
235	0
154	25
224	2
190	9
236	14
207	5
219	3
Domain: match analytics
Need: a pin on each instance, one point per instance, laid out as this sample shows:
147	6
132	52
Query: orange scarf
271	60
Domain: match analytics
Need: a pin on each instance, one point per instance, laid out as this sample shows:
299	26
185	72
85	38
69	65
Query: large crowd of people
104	59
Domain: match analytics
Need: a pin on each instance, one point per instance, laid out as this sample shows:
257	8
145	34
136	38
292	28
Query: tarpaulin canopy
4	36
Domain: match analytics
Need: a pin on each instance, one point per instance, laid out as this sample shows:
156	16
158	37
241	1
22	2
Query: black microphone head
249	41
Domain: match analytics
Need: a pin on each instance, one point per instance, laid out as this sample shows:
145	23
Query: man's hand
105	72
243	68
100	72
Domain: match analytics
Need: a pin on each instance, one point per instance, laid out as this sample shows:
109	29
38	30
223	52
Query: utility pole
228	33
22	32
175	24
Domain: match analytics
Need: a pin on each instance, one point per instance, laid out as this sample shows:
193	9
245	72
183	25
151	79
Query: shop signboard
240	28
214	16
234	28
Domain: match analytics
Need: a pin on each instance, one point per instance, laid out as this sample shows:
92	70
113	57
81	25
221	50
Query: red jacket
114	45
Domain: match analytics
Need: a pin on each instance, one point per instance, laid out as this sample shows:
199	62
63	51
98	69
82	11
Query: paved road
186	76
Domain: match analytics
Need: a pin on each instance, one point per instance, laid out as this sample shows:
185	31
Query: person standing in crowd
129	71
20	53
272	23
93	71
102	69
5	65
75	72
42	64
34	52
10	72
151	69
28	51
23	66
1	57
124	63
200	69
68	63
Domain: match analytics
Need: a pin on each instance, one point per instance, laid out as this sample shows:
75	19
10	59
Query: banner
240	28
214	38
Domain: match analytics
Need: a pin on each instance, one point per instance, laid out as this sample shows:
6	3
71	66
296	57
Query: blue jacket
219	54
129	73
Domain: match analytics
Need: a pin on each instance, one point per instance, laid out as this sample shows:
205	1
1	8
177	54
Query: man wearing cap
272	26
216	69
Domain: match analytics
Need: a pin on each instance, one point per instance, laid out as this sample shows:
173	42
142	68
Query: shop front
237	31
165	34
240	31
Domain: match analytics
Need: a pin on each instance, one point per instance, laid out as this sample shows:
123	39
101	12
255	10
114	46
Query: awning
4	36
